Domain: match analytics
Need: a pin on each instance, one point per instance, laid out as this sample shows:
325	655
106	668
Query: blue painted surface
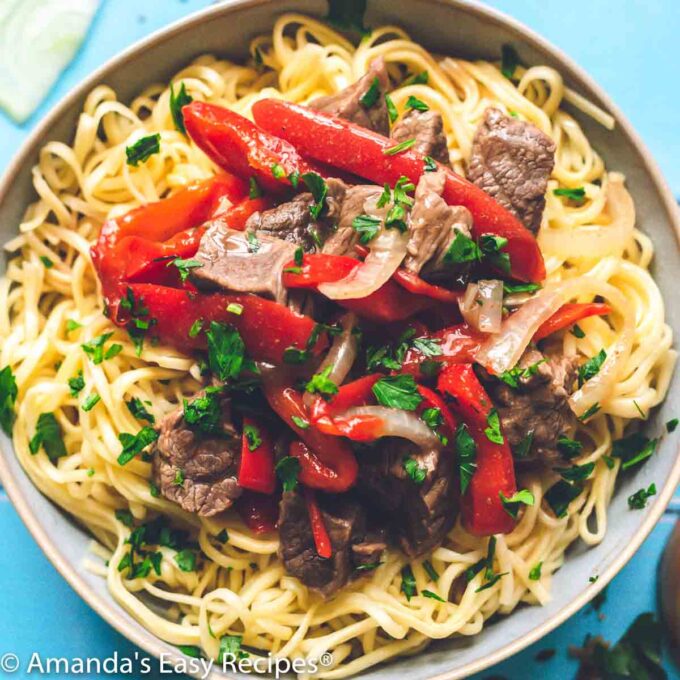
632	49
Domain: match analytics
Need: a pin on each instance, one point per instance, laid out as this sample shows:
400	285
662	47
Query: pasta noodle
240	587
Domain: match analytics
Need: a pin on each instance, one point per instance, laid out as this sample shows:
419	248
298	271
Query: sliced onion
502	351
341	355
399	423
595	241
388	249
482	305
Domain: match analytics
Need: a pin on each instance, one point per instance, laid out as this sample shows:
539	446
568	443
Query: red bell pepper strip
321	539
329	463
267	328
124	241
256	469
331	140
432	400
239	146
483	512
389	303
458	344
568	315
259	512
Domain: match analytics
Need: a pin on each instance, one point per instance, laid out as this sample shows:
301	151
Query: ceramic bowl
447	26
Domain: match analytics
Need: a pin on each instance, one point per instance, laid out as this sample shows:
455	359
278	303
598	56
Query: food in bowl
332	351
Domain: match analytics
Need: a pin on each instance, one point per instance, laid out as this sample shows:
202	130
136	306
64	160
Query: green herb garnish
143	149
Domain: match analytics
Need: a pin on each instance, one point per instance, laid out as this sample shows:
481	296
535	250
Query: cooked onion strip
398	423
388	249
595	241
482	305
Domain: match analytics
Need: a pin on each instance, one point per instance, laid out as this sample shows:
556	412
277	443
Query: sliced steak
427	128
345	522
536	413
512	161
359	200
293	222
433	226
233	262
419	515
347	103
196	470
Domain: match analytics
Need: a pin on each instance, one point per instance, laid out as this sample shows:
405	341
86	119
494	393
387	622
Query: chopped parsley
348	15
48	435
433	596
408	582
398	391
252	435
125	517
509	61
432	417
466	451
633	449
226	351
91	401
399	148
76	383
638	500
370	97
512	505
230	649
569	448
235	308
300	422
577	332
429	164
294	179
577	194
491	247
369	566
179	478
321	384
560	495
391	109
513	288
134	444
72	325
204	413
462	250
254	190
589	413
367	226
8	397
317	185
514	375
671	425
143	149
46	262
422	78
177	102
576	473
186	560
95	348
535	573
253	242
196	328
430	570
185	266
413	470
591	367
523	448
493	431
287	470
417	104
277	171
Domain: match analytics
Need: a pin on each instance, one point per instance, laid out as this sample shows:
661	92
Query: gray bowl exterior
447	26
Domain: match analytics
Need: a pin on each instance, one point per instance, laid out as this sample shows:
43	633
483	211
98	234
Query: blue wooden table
632	49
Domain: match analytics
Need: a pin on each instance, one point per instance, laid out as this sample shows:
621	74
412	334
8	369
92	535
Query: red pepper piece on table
267	328
239	146
483	512
259	512
256	469
568	314
331	140
326	463
321	539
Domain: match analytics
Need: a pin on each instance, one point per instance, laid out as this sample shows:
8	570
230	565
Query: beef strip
358	200
433	226
293	222
347	103
512	161
230	261
539	405
206	465
427	128
352	546
419	515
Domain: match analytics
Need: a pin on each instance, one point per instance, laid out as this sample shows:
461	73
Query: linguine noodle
239	586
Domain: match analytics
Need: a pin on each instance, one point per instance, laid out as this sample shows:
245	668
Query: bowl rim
110	610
